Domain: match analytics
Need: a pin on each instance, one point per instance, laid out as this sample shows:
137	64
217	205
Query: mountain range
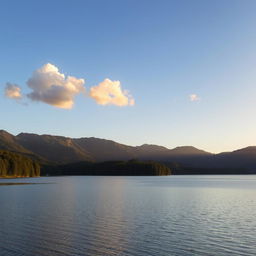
64	150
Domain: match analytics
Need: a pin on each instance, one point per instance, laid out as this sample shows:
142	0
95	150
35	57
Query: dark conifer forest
17	165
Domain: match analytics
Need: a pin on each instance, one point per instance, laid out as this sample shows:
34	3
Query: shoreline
17	177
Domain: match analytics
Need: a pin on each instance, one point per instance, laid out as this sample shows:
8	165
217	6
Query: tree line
132	167
16	165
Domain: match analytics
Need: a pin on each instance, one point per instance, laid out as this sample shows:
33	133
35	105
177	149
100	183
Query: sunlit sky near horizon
170	73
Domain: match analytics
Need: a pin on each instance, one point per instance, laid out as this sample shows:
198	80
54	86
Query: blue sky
161	51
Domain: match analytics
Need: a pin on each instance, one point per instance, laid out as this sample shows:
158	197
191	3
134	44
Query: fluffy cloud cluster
110	93
194	97
13	91
52	87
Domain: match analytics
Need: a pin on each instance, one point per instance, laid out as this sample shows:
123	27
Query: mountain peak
23	134
189	150
152	147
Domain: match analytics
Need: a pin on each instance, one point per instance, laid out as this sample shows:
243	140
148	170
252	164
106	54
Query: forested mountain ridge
56	149
63	150
59	149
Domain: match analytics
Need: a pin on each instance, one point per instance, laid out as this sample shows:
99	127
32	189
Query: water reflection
108	234
137	216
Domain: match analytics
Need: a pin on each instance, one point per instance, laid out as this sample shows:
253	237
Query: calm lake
140	216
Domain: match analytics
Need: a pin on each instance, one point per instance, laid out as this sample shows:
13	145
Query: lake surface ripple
140	216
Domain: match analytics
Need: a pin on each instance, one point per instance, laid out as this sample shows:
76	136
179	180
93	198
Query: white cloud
13	91
110	93
194	97
52	87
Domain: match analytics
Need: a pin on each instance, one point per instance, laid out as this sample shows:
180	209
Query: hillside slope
63	150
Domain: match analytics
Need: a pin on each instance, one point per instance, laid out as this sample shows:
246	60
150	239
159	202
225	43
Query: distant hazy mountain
62	150
242	158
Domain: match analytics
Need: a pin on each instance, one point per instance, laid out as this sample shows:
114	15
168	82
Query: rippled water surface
140	216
